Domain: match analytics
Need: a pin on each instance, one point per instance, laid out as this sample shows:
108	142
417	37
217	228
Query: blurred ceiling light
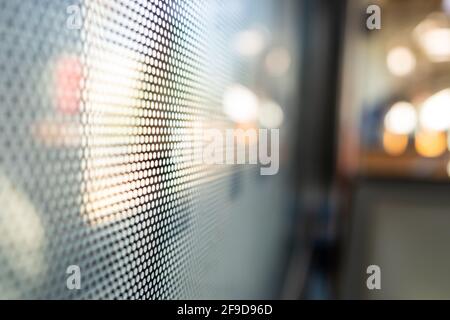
270	115
394	144
401	118
435	112
240	104
430	144
401	61
250	42
433	35
278	61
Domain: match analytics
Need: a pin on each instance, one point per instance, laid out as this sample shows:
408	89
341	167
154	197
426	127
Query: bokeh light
435	112
401	118
270	114
240	104
394	144
401	61
250	42
278	61
433	35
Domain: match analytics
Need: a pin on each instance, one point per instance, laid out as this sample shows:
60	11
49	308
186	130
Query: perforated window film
100	101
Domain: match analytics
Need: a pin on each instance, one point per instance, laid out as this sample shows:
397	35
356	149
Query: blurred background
100	101
393	150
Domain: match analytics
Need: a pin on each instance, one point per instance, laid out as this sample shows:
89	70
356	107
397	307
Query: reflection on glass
278	61
394	144
240	104
270	114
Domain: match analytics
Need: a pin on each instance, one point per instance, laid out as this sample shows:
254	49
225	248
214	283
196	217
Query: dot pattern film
99	103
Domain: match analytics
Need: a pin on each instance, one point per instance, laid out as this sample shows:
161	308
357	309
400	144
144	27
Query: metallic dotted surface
94	119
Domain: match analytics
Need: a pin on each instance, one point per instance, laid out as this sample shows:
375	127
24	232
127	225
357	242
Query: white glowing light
437	44
270	115
401	118
249	42
401	61
240	104
113	87
278	61
435	112
433	35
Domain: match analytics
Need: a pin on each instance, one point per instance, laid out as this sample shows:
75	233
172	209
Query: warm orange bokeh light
395	144
431	144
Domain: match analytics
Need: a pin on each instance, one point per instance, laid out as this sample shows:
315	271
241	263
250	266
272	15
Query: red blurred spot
68	76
